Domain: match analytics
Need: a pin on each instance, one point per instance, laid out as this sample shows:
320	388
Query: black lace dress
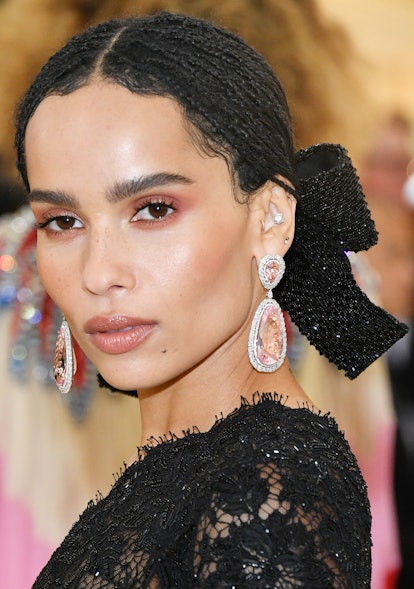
270	497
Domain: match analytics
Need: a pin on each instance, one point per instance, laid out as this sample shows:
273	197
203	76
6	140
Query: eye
60	224
153	211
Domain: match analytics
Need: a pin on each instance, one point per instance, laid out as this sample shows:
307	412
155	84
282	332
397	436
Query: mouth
117	334
119	330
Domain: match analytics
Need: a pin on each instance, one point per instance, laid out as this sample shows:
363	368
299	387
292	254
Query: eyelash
161	202
45	224
146	204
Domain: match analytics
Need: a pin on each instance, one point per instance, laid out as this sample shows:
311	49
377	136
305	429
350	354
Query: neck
198	397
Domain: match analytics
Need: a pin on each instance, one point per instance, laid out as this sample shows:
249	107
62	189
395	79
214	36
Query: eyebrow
53	197
119	191
127	188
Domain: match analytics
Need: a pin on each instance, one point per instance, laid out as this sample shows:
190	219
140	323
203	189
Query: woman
159	159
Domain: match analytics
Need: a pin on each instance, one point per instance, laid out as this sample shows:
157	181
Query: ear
272	210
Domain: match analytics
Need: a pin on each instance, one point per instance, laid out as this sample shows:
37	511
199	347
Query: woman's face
141	242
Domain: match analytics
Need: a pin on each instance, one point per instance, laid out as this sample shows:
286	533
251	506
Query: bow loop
331	195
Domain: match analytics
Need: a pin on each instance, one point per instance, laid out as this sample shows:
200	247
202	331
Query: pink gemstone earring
267	338
64	362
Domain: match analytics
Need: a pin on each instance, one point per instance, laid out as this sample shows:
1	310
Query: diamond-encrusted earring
64	362
267	338
278	218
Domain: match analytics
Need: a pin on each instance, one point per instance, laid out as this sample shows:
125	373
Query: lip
117	334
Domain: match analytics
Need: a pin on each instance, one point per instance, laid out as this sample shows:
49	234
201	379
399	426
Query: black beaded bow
318	289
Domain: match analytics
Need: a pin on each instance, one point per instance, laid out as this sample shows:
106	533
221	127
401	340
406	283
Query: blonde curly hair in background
312	56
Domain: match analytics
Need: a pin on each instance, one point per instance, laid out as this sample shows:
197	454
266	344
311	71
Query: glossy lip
117	334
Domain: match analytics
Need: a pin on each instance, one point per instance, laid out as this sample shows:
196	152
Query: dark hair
228	92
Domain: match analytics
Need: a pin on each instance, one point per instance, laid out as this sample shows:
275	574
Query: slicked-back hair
233	101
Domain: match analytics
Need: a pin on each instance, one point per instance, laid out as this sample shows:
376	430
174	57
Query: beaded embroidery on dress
270	497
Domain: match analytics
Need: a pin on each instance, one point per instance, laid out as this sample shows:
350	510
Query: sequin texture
270	497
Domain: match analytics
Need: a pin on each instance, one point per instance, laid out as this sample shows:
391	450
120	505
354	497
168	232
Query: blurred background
348	70
382	30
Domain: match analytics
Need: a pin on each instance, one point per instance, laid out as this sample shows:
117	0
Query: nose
108	265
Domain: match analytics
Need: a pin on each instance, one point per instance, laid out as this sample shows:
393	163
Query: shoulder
284	483
268	425
300	448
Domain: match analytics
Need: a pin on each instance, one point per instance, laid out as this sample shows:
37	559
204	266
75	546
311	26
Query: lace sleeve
285	527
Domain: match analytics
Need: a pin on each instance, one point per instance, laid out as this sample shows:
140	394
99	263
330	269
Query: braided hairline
182	71
202	115
49	83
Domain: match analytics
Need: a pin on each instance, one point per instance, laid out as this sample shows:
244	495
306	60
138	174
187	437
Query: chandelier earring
64	362
267	338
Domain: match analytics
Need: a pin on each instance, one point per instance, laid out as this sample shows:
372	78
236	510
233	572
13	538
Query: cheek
56	273
213	284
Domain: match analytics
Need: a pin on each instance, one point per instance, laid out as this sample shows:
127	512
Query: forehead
104	106
105	131
105	120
